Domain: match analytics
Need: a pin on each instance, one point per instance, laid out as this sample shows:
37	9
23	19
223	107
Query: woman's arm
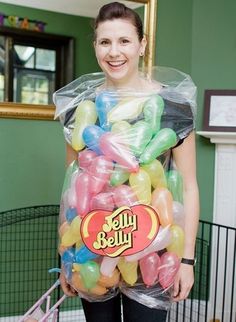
185	160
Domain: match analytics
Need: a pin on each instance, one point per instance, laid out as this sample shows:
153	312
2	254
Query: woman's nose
114	50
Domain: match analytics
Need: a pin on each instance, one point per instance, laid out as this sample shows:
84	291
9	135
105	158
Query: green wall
198	37
32	153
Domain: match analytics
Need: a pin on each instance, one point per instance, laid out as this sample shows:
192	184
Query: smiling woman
8	109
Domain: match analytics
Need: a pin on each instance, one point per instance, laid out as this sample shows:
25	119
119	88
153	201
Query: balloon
103	200
124	196
152	110
75	226
162	240
91	136
71	213
175	185
77	283
139	136
68	256
69	173
161	142
162	201
108	265
100	171
128	271
149	266
63	228
104	102
119	175
177	241
98	290
112	147
168	269
109	281
178	214
127	109
72	199
121	128
83	254
85	115
69	239
90	274
83	193
140	182
156	173
85	158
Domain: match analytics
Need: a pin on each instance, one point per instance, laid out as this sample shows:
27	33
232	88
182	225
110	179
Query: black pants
110	311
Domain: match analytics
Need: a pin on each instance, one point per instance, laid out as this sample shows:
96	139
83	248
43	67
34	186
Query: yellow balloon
98	290
177	241
75	225
156	173
85	115
140	182
69	239
127	109
77	283
128	271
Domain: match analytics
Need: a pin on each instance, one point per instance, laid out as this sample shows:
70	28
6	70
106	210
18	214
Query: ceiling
87	8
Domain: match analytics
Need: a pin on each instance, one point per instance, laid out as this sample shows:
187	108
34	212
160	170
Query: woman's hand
183	282
66	287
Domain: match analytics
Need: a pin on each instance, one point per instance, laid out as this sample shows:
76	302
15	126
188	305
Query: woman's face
118	49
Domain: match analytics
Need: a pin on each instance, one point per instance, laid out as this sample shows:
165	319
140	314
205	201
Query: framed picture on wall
220	110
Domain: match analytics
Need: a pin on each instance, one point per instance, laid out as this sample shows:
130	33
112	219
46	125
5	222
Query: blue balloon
91	136
71	213
104	102
68	256
84	254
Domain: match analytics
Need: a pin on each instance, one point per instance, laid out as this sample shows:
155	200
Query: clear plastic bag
121	217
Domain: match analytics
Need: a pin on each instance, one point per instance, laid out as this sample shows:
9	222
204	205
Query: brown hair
117	10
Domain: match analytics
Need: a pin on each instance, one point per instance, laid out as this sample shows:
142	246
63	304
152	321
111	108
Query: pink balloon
124	196
108	265
178	213
168	269
100	171
149	266
161	241
103	201
82	187
85	158
112	146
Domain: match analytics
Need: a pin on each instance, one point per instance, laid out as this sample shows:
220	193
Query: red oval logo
126	231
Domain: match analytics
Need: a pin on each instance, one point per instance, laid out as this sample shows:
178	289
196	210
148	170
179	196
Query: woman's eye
104	42
124	41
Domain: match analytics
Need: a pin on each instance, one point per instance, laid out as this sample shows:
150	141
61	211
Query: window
33	65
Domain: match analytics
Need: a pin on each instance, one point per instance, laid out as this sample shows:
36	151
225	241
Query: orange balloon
109	281
63	228
162	201
98	290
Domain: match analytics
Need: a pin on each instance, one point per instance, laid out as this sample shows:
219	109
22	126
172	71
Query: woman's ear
143	46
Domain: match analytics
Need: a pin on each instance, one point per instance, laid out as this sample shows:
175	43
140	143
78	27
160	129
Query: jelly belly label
124	232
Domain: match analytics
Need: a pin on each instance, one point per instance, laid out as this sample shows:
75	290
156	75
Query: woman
119	43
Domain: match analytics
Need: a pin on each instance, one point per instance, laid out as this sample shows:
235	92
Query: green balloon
139	136
69	172
161	142
153	109
175	185
119	176
90	273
